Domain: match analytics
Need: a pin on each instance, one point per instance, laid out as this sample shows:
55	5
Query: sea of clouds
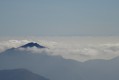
76	48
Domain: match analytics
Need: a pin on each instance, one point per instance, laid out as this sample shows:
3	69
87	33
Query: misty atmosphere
59	40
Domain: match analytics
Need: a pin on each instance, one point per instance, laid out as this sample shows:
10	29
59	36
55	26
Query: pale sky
59	18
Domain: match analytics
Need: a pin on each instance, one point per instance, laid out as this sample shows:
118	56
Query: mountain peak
20	74
32	44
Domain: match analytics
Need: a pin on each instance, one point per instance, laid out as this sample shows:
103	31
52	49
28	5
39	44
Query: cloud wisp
68	50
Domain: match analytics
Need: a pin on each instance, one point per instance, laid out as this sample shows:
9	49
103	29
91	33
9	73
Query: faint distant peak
20	74
32	44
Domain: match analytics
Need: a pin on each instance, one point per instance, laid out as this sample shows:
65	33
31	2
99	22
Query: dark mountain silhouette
19	74
58	68
52	67
28	45
32	44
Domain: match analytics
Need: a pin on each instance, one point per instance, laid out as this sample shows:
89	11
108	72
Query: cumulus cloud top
71	48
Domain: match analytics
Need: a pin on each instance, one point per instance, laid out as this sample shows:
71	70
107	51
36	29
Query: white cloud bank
80	49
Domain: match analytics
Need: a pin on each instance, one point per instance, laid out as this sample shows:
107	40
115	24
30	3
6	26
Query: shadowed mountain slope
32	44
19	74
58	68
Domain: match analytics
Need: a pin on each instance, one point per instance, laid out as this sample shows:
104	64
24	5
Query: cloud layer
70	49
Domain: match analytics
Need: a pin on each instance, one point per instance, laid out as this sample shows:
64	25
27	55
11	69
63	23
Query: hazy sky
59	17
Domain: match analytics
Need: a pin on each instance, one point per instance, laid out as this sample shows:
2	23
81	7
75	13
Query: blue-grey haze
59	17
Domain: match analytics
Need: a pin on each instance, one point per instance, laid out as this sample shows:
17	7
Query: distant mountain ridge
32	44
58	68
52	67
28	45
19	74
